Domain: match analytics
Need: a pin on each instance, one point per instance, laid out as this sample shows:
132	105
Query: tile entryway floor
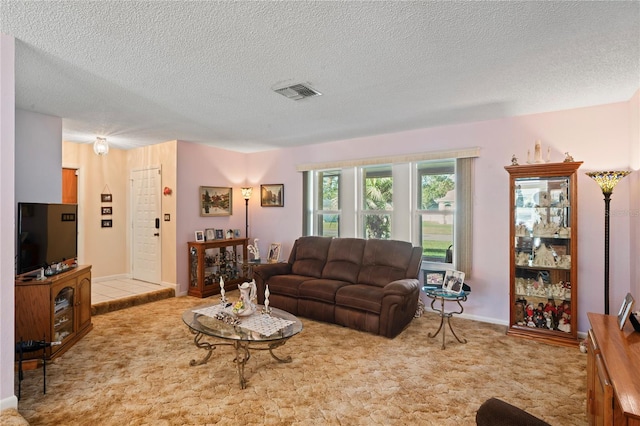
107	291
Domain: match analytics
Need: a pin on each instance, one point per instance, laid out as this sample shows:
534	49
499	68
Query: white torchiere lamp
607	181
246	194
101	146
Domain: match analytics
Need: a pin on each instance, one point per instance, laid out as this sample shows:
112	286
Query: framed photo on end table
274	253
453	281
625	310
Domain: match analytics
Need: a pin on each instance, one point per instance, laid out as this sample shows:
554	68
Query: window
377	202
327	203
436	209
423	198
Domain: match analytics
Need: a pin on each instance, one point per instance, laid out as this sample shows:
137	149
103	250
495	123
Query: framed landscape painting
215	201
272	195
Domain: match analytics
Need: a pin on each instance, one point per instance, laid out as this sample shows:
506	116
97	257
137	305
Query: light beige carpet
133	369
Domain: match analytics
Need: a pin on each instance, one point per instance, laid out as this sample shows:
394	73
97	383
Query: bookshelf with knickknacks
543	251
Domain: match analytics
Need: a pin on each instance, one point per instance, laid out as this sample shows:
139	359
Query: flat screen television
47	234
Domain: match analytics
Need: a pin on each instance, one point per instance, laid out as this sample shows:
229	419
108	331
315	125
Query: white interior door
146	208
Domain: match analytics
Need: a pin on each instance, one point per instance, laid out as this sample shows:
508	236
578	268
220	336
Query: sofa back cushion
308	256
344	259
385	261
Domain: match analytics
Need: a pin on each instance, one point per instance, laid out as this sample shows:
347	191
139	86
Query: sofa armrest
267	270
262	274
402	287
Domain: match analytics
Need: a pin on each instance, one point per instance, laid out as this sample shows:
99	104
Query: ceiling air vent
297	92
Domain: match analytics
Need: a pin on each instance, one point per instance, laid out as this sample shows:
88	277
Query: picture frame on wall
199	236
106	198
215	201
107	210
272	195
106	223
274	253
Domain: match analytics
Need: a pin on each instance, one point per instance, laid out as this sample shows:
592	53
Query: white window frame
405	213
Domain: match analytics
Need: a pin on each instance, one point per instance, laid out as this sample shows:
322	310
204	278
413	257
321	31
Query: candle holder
266	310
223	299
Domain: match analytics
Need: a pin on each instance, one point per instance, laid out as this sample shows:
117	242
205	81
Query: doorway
69	186
146	259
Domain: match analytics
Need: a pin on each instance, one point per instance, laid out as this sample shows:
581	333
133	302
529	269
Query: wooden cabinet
613	363
211	260
543	222
57	308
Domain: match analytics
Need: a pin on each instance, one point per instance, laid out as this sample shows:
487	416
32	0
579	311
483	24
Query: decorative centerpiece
245	306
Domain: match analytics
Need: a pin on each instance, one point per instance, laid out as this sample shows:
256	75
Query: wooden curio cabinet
543	265
56	309
211	260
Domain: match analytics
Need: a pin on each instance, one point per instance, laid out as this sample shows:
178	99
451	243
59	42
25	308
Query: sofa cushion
385	261
344	259
362	297
309	255
321	290
287	285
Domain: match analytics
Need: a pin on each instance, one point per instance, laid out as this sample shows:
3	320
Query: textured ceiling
141	73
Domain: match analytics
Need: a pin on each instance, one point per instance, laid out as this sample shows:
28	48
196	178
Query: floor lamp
607	181
246	194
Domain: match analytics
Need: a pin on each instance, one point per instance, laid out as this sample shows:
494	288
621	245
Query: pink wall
200	165
599	136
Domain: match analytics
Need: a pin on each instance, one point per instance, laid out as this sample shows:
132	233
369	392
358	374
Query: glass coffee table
258	331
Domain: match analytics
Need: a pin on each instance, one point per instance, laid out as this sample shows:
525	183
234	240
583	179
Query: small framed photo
200	236
210	234
107	210
236	233
215	201
219	234
625	310
106	223
272	195
106	198
433	278
453	281
274	253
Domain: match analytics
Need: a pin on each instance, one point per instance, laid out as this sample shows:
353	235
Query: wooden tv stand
613	363
57	308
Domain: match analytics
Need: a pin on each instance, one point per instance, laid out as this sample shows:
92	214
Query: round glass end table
442	296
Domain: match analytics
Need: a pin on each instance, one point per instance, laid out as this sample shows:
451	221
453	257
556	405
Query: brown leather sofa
367	285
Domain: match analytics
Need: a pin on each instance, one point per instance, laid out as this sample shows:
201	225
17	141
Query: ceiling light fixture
101	146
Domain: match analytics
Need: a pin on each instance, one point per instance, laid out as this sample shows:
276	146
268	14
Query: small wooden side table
442	296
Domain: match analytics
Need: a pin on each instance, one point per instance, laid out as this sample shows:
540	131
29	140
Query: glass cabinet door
543	252
63	314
